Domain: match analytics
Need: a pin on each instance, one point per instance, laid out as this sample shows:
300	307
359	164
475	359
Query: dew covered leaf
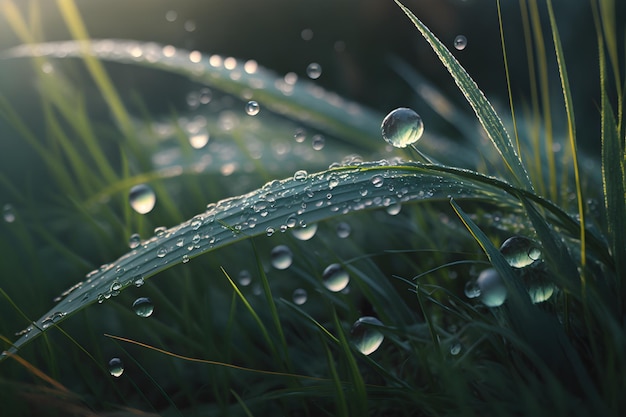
277	206
485	112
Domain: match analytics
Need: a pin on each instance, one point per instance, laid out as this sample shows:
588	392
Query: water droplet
306	34
189	25
185	259
520	252
314	70
471	289
455	348
299	135
460	42
8	213
318	142
199	140
281	257
402	127
335	277
306	232
269	231
492	288
299	296
252	108
134	240
143	307
138	281
161	252
142	198
300	175
244	277
343	230
378	181
160	231
366	337
116	367
171	15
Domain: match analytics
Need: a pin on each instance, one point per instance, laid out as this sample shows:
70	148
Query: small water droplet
378	181
143	307
189	25
314	70
185	259
318	142
160	231
455	348
306	232
299	136
306	34
161	252
365	336
281	257
142	198
300	175
138	281
244	278
116	367
460	42
343	230
394	209
471	289
402	127
520	252
492	288
199	140
299	296
8	213
335	277
252	108
269	231
134	240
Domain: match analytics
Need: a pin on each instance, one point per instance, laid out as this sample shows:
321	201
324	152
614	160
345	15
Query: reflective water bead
281	257
252	108
402	127
8	213
299	136
185	259
306	232
143	307
365	336
199	140
343	230
299	296
455	348
142	198
116	367
314	70
492	288
244	277
335	277
460	42
161	252
520	251
134	240
378	181
471	289
318	142
300	175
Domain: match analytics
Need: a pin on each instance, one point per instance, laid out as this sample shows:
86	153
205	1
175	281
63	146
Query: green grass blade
484	111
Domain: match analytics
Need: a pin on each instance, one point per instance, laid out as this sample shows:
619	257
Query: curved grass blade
299	100
277	206
484	111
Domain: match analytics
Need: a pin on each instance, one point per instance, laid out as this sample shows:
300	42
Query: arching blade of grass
299	100
278	205
484	111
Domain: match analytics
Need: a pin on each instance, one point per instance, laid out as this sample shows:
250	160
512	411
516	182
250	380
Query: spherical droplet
252	108
402	127
244	278
143	307
299	296
116	367
335	277
134	240
343	230
455	348
8	213
142	198
520	252
460	42
161	252
366	337
306	232
492	288
318	142
314	70
471	289
281	257
300	175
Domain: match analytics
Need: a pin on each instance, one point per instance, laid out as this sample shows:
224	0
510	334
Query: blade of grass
481	106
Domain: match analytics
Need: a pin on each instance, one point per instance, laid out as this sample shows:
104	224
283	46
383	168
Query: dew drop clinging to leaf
365	336
116	367
460	42
402	127
142	198
143	307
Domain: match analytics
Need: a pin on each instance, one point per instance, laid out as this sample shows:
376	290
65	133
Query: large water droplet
402	127
142	198
161	252
8	213
460	42
116	367
143	307
299	296
300	175
306	232
281	257
520	251
492	288
314	70
335	277
252	108
365	336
